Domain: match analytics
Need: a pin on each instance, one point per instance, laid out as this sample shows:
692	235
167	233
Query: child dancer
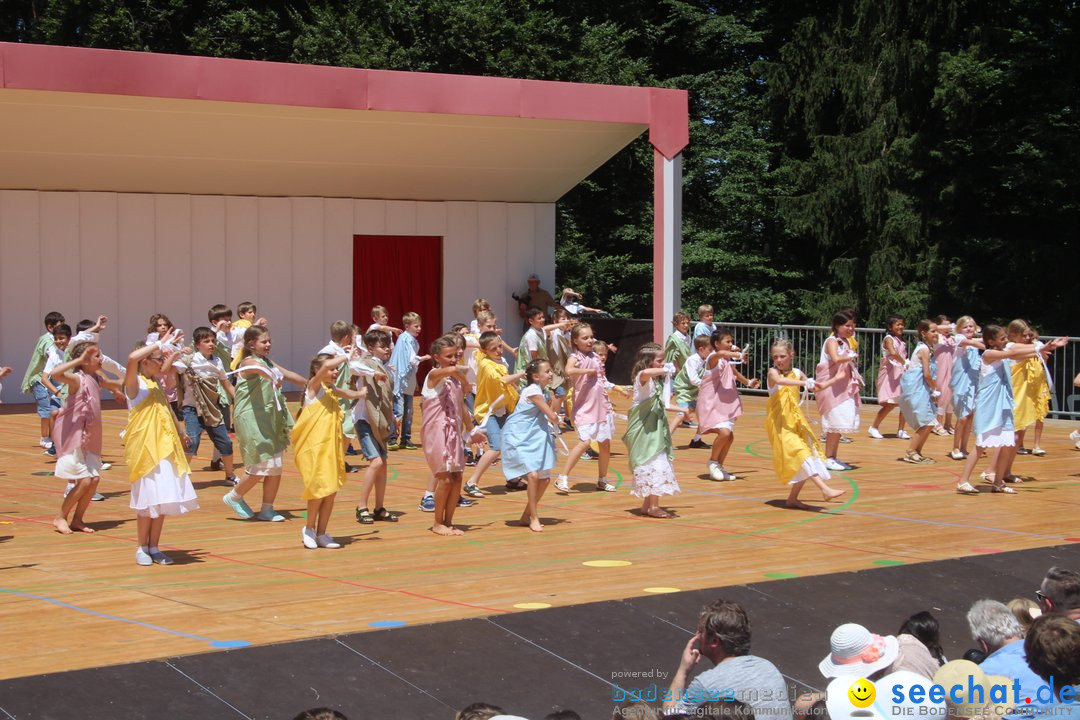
686	388
797	456
918	392
719	405
1030	389
678	347
529	440
479	305
373	418
1031	392
647	436
893	362
263	422
32	385
54	357
558	341
77	434
839	404
592	414
318	447
496	397
943	361
379	318
994	426
205	386
404	359
704	324
962	384
160	483
160	325
443	407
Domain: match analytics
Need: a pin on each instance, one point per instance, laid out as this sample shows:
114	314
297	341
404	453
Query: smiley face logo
862	693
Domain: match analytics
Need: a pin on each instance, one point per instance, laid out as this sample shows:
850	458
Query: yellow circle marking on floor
606	563
662	590
532	606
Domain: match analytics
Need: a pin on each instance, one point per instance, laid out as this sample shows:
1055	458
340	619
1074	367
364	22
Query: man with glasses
1060	593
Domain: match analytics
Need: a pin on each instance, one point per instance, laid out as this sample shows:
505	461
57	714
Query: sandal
1016	479
364	516
1002	489
965	488
384	515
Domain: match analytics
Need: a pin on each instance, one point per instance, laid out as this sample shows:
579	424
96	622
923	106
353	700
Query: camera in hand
523	298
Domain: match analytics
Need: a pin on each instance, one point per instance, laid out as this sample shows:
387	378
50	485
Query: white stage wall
129	255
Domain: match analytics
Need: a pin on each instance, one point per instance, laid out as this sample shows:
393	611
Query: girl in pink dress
592	414
893	361
839	404
718	404
442	404
944	352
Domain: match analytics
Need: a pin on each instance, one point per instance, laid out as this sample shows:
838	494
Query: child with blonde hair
592	414
797	455
154	444
529	440
444	412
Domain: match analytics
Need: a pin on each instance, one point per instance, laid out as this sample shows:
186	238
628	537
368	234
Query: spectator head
562	715
1052	648
635	711
320	714
534	282
1025	611
724	630
1060	592
856	651
478	711
728	709
925	627
992	625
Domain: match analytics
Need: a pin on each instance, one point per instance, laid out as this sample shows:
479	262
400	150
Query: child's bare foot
443	530
535	525
456	531
798	505
657	512
833	494
81	527
62	526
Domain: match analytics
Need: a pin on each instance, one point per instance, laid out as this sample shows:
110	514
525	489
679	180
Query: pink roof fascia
118	72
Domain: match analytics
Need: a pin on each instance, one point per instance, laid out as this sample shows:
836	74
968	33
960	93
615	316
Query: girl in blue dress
918	390
528	440
964	381
993	424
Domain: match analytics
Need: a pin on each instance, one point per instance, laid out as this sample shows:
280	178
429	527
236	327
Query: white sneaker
308	537
142	557
325	541
1075	436
957	455
562	484
44	442
716	472
106	465
875	433
834	464
903	435
727	475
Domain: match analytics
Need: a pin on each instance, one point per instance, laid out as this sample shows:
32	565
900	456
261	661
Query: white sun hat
857	651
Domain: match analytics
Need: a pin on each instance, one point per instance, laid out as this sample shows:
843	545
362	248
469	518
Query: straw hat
963	673
857	651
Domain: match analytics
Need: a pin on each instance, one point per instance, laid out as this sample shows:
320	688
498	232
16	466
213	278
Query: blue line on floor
213	643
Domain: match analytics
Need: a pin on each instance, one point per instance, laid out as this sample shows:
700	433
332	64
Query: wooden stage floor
80	601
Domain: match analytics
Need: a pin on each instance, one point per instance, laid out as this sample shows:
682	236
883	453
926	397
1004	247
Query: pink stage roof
87	119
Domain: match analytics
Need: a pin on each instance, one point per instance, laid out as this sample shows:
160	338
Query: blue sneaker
238	505
428	503
464	502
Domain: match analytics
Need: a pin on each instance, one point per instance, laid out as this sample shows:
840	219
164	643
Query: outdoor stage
79	601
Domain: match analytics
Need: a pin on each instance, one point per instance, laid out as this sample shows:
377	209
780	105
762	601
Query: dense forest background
909	156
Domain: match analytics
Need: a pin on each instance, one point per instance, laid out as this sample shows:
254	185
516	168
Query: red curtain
404	274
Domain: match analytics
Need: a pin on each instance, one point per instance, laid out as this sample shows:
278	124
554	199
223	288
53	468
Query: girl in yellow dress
318	448
154	445
797	455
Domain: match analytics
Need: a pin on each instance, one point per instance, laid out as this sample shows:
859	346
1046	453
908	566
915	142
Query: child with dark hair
204	389
32	385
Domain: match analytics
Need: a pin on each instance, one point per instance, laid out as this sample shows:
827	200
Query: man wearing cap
1060	593
998	633
535	296
723	636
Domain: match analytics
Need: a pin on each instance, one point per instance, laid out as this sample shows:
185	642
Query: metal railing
807	340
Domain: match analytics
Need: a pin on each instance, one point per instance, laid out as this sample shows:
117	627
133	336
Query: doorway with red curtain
404	274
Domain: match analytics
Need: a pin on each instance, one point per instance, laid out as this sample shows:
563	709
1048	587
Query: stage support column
667	241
